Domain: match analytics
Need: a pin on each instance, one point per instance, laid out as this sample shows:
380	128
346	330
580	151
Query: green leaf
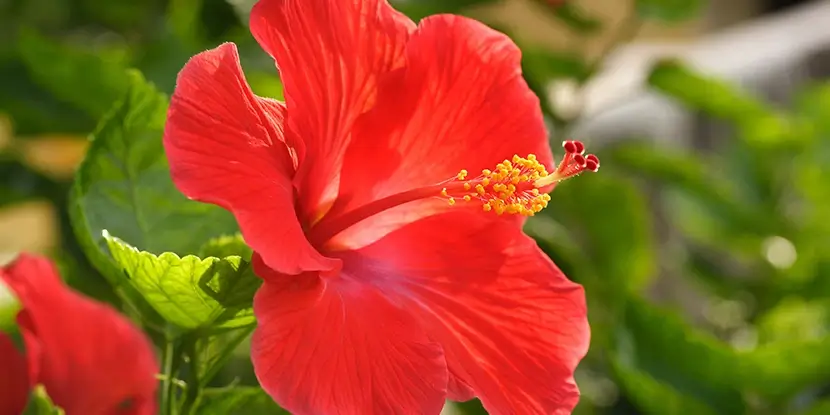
188	291
34	110
757	122
653	397
821	407
546	65
238	400
623	240
227	245
781	370
417	10
90	81
669	10
663	347
9	306
40	404
124	186
576	19
689	175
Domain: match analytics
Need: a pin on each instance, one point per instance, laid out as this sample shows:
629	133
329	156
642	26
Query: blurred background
702	242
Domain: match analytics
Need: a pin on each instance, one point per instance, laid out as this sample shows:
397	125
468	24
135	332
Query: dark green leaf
623	239
576	19
123	186
88	80
821	407
669	10
238	400
546	65
417	10
188	291
663	347
653	397
689	175
757	122
33	109
780	370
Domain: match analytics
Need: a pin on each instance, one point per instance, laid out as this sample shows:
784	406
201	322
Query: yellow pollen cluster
509	188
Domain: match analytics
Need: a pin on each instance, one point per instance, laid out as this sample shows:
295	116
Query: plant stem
224	356
194	390
168	358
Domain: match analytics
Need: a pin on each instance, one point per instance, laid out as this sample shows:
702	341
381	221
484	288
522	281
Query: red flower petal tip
102	368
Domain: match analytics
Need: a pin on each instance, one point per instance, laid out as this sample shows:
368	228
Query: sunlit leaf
226	245
189	291
40	404
9	306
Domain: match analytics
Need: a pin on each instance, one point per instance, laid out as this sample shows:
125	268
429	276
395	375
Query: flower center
517	186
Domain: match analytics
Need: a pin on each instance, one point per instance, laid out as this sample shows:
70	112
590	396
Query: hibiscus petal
92	360
330	54
226	147
513	327
335	346
459	103
14	379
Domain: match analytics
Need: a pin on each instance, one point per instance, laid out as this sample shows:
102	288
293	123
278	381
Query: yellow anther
511	187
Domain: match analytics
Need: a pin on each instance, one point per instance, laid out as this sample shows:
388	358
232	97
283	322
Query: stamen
513	186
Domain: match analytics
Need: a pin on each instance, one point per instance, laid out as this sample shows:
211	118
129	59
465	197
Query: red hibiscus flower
90	359
393	278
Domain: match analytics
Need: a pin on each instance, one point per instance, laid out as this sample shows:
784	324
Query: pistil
516	186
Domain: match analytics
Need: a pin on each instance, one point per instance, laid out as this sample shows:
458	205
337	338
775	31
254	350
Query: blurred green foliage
740	227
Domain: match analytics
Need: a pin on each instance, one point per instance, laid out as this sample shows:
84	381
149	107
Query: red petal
14	379
460	103
330	55
92	360
226	147
326	346
513	327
